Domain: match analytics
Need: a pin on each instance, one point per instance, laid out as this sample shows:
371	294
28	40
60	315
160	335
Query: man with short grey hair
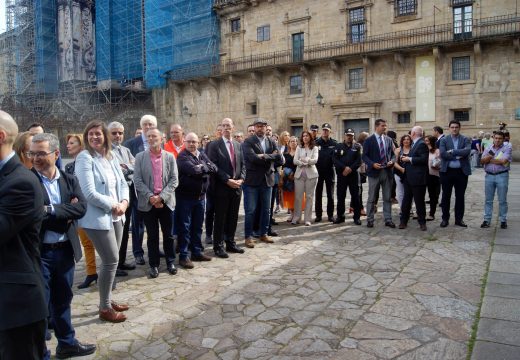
126	161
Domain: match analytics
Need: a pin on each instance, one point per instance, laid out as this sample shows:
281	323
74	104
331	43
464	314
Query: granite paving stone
322	292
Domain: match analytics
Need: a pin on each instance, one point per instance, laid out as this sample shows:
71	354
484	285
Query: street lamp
319	100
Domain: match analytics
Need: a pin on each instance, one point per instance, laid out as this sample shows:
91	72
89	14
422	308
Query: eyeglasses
117	133
39	154
205	138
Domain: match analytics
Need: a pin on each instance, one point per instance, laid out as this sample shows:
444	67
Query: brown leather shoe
266	239
119	307
423	227
250	243
111	315
187	264
402	226
200	257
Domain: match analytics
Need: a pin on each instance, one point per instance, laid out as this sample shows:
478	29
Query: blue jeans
258	199
58	274
499	182
189	217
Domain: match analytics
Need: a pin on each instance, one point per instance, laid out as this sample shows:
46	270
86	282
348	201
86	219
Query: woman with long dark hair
433	183
405	145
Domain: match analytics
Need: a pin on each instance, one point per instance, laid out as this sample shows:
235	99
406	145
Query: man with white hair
126	161
136	145
415	179
22	321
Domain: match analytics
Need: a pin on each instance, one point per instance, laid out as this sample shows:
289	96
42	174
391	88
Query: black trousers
434	189
227	205
26	342
350	182
328	179
417	194
152	220
126	229
453	178
210	211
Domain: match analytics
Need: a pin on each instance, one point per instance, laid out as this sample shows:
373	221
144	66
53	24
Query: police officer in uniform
326	146
347	160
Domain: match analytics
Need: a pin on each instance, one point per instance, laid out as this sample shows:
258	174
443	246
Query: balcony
439	35
220	4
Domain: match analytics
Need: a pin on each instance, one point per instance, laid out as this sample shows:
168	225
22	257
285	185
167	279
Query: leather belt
497	173
56	245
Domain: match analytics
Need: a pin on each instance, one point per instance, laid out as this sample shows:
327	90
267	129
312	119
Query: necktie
232	154
120	152
382	150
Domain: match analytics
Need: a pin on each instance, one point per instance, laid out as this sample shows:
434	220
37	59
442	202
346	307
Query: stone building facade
412	62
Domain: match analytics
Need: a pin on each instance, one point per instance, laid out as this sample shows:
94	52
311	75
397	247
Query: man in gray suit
126	160
455	150
155	180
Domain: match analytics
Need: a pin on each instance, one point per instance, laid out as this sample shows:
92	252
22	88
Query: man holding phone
496	160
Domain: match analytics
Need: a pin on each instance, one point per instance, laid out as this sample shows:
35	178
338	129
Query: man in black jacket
325	166
194	175
22	299
226	154
415	179
261	156
347	159
59	241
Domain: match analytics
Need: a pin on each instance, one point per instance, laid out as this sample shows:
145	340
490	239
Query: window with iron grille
403	118
355	78
405	7
357	25
461	115
263	33
235	25
295	85
460	68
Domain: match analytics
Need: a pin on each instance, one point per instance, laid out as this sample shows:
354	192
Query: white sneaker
307	223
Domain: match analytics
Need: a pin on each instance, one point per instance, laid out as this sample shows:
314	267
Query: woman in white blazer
106	190
305	177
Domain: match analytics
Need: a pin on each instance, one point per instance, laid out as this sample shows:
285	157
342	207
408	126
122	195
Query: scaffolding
182	40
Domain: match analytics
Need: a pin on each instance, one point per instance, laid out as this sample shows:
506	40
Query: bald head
8	129
192	142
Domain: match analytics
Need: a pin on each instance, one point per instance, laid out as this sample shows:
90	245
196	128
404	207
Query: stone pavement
320	292
498	335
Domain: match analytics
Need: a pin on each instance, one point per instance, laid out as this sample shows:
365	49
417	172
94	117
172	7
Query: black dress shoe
461	224
221	254
402	226
330	219
126	266
423	227
273	222
503	225
154	272
68	351
139	260
318	219
339	220
88	280
171	269
444	223
390	224
357	221
272	233
120	272
484	225
370	224
234	249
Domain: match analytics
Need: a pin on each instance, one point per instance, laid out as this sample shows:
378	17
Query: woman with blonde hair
21	146
74	147
106	190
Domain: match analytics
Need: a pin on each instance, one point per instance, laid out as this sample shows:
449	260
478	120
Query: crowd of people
172	189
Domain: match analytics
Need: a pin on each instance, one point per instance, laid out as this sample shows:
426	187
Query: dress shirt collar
3	162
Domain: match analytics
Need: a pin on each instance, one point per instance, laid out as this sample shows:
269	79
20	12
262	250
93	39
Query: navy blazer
22	299
260	170
463	151
371	154
416	172
135	144
59	221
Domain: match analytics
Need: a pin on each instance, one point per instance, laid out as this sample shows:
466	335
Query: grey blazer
143	180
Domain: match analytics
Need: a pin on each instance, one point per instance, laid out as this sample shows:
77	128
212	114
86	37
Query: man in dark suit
415	179
226	154
261	156
455	150
23	310
59	242
136	145
379	157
